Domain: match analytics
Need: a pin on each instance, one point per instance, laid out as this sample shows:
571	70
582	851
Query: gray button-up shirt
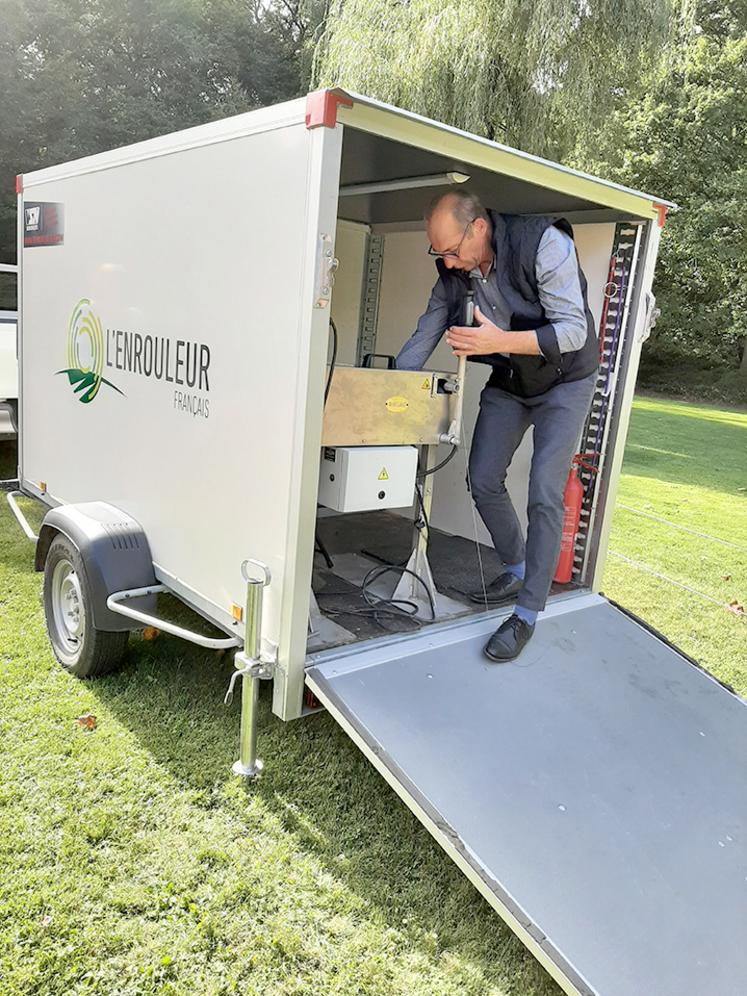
556	269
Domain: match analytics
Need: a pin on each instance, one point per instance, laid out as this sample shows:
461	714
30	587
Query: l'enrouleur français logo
183	363
85	353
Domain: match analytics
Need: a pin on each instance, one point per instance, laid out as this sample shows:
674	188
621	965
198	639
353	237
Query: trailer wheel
82	649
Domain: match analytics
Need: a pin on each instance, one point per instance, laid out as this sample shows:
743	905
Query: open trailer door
593	790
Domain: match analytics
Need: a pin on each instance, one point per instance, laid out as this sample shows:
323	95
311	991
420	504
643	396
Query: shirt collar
477	272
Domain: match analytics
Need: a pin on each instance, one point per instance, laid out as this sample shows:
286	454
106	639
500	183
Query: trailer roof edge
261	119
369	114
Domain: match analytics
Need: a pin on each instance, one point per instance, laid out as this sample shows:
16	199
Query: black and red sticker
43	224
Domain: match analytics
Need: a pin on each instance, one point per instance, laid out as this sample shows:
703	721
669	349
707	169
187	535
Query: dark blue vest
516	239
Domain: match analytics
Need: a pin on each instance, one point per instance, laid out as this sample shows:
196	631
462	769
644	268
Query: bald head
462	205
459	229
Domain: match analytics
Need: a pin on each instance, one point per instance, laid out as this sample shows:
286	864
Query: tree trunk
743	364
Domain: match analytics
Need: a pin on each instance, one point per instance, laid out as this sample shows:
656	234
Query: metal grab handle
22	520
113	603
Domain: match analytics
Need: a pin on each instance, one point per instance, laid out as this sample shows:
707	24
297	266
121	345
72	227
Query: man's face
449	236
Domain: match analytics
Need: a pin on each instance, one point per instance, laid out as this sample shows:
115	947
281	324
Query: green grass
133	862
687	464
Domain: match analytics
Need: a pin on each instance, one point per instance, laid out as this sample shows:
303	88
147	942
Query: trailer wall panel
204	246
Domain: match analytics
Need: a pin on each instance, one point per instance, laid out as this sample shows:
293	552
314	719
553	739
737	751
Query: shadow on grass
324	793
687	444
317	786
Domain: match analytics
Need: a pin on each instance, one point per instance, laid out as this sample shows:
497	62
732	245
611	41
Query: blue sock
528	615
517	569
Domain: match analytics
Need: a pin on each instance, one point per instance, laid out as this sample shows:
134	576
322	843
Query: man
534	328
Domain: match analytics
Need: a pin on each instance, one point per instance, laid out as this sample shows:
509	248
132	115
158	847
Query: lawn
133	862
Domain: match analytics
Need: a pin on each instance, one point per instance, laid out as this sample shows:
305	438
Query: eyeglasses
452	252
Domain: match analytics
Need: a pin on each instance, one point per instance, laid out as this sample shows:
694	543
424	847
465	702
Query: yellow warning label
426	385
383	476
397	404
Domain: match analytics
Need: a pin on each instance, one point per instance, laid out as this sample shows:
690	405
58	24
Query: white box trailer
176	401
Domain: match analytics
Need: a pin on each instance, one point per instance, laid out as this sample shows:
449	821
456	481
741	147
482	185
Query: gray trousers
558	417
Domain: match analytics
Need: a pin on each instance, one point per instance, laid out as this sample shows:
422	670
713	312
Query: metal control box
389	407
362	478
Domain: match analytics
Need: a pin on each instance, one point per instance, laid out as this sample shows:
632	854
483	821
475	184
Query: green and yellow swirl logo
85	353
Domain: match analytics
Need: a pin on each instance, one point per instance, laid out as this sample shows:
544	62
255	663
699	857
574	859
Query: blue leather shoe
509	639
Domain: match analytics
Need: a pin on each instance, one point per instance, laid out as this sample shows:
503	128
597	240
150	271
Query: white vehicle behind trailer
8	359
176	302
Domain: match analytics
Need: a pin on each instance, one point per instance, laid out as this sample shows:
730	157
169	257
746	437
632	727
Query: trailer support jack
251	669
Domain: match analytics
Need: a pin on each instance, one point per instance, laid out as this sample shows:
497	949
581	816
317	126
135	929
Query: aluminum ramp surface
593	790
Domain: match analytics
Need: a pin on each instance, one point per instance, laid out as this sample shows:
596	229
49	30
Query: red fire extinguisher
573	496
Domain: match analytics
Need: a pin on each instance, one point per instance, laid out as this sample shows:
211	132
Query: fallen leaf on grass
88	722
735	607
726	577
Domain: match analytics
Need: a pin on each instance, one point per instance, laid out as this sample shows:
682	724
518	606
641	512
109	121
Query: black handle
391	363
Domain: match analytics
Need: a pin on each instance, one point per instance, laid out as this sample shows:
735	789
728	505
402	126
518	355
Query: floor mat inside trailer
593	790
387	537
382	537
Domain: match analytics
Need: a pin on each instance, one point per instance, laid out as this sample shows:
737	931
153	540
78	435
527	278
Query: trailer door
593	790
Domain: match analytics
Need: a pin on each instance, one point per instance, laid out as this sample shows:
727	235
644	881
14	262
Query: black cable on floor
376	572
379	606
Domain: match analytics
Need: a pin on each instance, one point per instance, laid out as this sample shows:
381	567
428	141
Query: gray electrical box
361	478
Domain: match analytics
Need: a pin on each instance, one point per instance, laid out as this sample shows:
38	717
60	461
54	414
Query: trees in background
78	77
683	134
528	74
651	95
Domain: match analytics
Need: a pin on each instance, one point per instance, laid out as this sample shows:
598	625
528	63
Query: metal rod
459	407
22	520
253	621
248	764
114	601
250	669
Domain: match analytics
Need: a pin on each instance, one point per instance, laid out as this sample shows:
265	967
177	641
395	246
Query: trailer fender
114	549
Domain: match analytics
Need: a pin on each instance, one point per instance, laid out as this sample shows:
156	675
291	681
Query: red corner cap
19	184
321	108
661	210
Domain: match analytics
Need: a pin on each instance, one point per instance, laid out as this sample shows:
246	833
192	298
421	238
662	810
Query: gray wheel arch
115	551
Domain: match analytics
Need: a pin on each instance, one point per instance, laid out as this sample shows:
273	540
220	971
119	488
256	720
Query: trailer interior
382	284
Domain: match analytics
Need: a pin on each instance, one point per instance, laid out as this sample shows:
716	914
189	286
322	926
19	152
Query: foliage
683	137
585	82
80	77
530	74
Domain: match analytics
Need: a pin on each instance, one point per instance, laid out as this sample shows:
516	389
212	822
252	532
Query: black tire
80	648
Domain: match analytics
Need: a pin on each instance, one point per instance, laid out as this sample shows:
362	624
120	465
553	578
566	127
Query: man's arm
556	269
559	287
427	335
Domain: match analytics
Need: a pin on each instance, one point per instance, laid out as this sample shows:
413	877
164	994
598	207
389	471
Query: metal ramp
593	790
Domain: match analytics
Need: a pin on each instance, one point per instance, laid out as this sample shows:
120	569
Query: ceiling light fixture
405	183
